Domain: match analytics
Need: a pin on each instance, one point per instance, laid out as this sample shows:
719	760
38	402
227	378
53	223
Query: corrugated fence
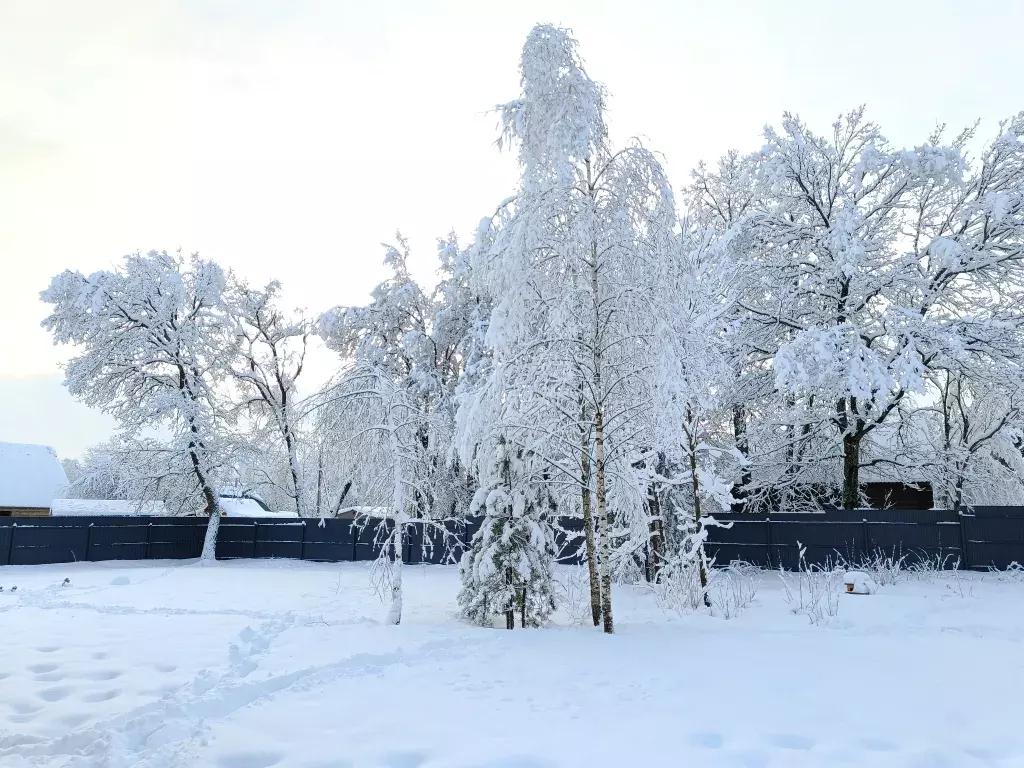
985	537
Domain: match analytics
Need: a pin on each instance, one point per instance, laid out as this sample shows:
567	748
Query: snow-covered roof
31	476
238	492
363	512
232	507
71	507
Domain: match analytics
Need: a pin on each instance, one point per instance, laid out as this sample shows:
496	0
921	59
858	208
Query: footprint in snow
404	759
790	741
105	674
249	760
55	694
94	698
707	740
878	745
73	720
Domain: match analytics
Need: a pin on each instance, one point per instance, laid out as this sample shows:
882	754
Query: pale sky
288	138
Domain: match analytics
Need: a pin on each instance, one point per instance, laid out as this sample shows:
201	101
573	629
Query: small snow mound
120	581
859	583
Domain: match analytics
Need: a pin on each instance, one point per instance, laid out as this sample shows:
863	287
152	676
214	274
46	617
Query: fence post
149	537
88	541
302	546
768	521
255	536
965	562
10	545
864	553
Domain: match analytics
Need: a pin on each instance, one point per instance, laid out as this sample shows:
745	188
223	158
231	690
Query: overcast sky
287	138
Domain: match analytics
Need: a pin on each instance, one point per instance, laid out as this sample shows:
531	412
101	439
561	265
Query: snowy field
258	664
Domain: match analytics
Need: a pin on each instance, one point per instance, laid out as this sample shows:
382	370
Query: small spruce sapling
509	566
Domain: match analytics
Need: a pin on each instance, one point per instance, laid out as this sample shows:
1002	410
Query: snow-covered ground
259	663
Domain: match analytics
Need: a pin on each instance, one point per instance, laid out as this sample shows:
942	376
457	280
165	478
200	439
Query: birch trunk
398	542
398	535
598	390
602	523
588	533
702	563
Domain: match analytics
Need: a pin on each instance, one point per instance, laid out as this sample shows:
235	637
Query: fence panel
280	538
837	536
329	541
177	538
570	540
994	536
236	538
6	538
981	538
118	542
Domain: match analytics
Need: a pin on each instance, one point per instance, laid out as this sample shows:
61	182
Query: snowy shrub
678	590
813	591
960	583
730	590
630	570
1012	574
734	588
574	589
928	569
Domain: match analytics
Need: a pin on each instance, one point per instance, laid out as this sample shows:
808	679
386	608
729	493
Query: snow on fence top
235	507
100	507
30	476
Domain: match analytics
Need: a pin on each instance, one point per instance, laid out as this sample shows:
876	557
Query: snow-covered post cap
859	583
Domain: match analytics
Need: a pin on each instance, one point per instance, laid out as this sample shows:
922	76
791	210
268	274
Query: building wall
24	512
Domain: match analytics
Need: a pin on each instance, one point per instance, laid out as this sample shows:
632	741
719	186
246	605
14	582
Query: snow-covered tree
403	354
151	339
271	354
508	569
575	270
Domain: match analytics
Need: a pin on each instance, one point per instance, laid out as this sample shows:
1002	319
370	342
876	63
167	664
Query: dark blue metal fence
984	537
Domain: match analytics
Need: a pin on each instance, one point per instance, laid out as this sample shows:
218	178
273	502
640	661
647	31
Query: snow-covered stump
859	583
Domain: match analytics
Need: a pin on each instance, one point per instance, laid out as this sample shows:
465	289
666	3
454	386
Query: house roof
31	476
98	507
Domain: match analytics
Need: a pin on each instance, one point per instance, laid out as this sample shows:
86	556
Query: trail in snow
275	664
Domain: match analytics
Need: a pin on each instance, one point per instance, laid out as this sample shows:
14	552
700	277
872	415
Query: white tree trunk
602	523
398	535
395	609
600	480
209	555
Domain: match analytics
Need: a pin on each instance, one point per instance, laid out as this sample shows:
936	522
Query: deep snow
260	663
